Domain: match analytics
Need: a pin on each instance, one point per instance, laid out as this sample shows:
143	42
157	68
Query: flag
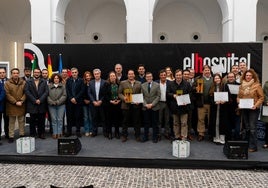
34	63
60	64
49	66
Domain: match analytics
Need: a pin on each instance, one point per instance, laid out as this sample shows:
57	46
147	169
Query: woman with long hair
217	126
169	73
112	106
250	88
86	107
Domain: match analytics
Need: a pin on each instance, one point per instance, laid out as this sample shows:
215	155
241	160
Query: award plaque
128	95
200	86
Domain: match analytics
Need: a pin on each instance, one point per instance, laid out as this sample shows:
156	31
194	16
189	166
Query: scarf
246	86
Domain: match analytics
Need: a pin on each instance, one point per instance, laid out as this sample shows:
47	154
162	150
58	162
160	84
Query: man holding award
201	88
129	93
178	94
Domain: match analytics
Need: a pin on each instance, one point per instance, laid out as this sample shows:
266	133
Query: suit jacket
78	90
92	90
151	97
136	88
32	94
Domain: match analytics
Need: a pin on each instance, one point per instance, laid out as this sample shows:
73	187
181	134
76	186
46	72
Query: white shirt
163	89
97	89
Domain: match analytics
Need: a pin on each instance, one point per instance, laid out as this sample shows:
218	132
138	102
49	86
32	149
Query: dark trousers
37	120
98	119
151	119
266	133
6	123
113	116
131	117
250	118
74	113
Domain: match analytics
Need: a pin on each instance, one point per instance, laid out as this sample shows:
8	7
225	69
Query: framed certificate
246	103
183	99
221	96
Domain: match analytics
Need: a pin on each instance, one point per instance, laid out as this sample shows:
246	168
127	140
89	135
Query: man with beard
36	91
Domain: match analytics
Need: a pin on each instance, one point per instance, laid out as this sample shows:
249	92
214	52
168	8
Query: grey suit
151	115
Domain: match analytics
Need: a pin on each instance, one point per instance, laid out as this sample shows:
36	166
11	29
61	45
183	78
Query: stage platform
100	151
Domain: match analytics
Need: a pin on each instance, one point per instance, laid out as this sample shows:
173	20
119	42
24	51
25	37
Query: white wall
15	26
180	20
84	19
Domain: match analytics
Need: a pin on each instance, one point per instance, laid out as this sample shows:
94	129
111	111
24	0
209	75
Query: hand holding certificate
246	103
137	98
233	88
221	97
265	110
183	99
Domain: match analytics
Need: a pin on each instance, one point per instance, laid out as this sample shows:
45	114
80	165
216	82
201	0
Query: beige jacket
254	91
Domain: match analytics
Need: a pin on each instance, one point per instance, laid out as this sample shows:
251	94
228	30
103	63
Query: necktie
149	87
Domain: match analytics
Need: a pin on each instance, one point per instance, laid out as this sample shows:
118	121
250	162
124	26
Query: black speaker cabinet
69	146
236	149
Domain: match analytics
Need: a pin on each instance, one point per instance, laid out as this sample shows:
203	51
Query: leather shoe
155	140
144	139
190	137
138	139
42	136
200	138
124	138
252	150
10	140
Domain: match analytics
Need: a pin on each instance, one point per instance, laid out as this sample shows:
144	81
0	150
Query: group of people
92	102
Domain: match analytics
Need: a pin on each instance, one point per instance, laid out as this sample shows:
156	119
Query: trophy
128	95
179	92
200	86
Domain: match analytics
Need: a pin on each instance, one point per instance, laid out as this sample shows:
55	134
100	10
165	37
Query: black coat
32	94
171	90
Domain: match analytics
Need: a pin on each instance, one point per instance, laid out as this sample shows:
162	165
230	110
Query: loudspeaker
236	149
69	146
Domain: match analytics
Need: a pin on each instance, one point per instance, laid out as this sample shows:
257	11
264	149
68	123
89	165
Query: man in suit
151	96
3	79
164	114
131	111
27	73
141	73
36	91
118	71
75	89
96	96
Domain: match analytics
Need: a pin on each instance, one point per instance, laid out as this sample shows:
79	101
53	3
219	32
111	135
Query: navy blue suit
74	112
98	117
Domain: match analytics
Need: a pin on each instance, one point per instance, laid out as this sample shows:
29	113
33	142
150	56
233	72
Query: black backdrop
153	56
